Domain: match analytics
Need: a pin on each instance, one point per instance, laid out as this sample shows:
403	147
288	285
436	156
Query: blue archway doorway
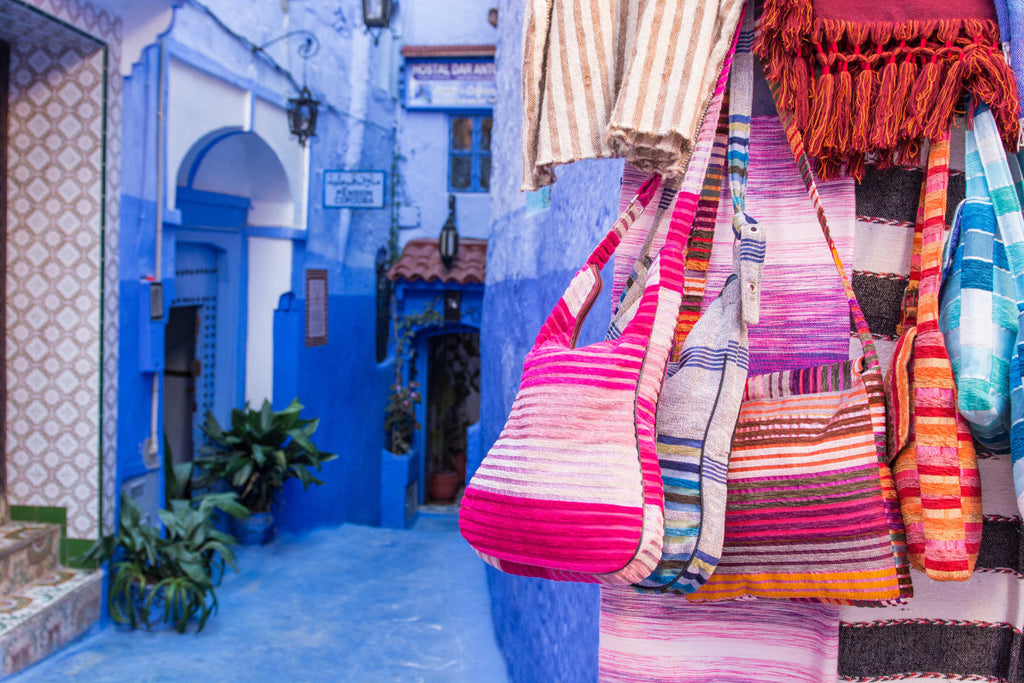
451	405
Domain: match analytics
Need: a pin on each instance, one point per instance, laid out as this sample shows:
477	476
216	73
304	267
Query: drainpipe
152	446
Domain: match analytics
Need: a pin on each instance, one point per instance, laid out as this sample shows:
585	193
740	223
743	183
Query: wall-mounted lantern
302	111
448	241
377	16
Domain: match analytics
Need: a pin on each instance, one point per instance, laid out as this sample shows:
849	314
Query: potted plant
261	451
399	474
168	577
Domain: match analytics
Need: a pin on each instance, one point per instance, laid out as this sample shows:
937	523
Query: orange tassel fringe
880	87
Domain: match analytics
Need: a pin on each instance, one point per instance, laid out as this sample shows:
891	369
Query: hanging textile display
604	78
951	631
811	509
875	76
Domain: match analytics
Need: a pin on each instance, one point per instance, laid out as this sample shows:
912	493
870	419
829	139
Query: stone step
47	615
28	551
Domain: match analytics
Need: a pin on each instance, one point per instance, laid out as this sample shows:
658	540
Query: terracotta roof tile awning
421	260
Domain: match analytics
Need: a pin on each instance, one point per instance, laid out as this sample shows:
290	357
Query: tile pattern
28	551
47	616
63	180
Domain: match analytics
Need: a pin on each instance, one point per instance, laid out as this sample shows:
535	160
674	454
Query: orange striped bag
934	463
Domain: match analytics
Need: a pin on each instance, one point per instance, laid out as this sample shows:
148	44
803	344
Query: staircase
43	606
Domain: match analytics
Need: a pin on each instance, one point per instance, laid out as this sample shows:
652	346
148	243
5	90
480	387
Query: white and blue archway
232	260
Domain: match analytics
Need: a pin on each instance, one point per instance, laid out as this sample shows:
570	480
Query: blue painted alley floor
354	603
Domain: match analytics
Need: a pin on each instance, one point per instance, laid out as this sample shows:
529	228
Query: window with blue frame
469	153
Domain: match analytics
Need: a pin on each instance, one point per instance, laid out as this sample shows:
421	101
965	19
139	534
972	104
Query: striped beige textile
619	78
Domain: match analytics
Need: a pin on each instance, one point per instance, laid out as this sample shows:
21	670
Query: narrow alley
352	603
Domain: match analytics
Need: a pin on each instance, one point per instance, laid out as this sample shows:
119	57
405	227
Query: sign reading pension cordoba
353	189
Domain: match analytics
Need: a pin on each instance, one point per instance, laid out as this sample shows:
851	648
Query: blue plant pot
257	529
399	489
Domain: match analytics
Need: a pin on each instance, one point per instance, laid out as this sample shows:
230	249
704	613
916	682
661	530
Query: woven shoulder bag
571	489
811	512
933	459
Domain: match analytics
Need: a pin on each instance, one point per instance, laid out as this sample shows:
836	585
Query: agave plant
169	577
263	449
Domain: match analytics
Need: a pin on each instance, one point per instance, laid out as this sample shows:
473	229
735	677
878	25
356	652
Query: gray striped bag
701	396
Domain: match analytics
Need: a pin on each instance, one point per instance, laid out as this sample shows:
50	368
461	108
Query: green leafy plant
400	413
171	576
262	450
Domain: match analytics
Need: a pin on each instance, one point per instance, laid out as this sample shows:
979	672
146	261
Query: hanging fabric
877	75
619	78
648	638
950	631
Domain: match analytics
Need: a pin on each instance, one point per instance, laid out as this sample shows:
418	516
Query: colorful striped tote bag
811	512
933	459
571	489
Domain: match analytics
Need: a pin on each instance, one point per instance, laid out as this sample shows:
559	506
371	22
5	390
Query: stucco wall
243	92
547	630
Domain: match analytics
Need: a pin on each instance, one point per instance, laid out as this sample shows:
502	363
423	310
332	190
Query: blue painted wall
547	630
141	343
340	382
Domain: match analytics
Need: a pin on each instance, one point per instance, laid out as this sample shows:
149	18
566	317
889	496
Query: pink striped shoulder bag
571	490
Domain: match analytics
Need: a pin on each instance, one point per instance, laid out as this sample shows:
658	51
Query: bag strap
1000	187
748	256
604	250
911	295
702	237
562	325
933	234
796	146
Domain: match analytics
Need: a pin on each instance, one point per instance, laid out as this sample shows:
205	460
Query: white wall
271	170
270	273
447	22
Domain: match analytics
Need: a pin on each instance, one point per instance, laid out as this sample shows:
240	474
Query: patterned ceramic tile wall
63	188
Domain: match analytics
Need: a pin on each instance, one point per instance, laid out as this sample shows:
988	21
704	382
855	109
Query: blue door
190	343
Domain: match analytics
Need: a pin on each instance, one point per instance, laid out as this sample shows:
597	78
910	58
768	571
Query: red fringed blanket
877	75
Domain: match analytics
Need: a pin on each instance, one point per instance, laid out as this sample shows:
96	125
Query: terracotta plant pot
460	467
443	486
